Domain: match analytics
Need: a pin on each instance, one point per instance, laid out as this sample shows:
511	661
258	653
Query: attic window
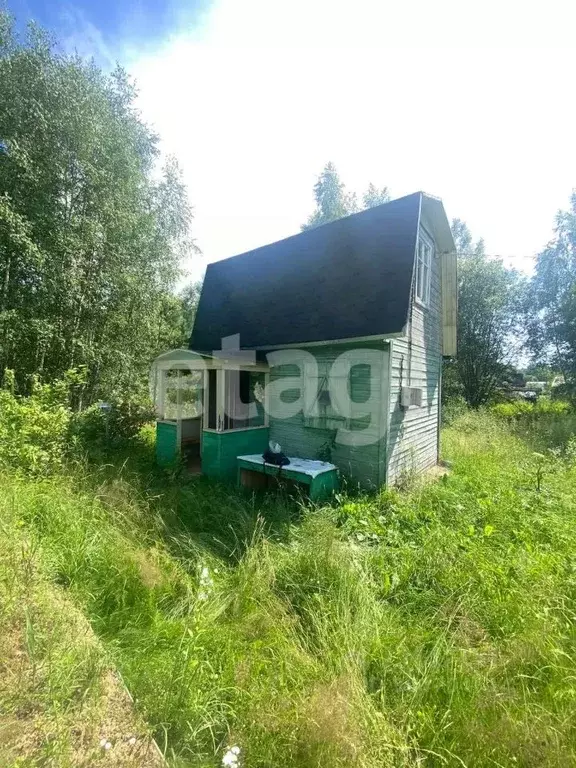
423	269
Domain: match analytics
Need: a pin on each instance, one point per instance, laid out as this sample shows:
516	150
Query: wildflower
230	759
105	744
205	577
206	583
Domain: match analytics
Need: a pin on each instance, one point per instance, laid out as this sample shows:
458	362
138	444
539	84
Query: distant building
537	386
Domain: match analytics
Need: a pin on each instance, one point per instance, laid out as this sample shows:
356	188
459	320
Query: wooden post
161	392
220	398
179	411
266	399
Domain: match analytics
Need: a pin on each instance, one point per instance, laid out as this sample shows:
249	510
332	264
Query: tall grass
544	424
61	701
433	627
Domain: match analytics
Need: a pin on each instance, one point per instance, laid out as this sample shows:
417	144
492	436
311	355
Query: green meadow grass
62	702
429	627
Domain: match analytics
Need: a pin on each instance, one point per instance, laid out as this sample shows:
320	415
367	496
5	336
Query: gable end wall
416	361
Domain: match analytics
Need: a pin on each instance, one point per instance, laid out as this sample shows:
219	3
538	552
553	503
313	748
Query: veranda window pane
212	394
190	385
243	395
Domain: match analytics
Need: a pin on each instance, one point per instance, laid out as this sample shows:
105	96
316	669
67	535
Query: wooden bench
320	477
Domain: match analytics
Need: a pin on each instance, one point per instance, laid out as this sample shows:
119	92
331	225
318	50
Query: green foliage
333	201
522	408
59	694
541	372
33	432
90	240
40	433
565	391
544	425
190	296
451	384
374	196
489	312
452	409
552	306
104	424
465	246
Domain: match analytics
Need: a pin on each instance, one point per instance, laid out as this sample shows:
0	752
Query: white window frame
424	256
185	360
221	399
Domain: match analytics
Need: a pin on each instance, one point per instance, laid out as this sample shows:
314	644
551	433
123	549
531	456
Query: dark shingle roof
347	279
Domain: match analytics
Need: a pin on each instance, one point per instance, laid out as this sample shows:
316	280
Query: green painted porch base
166	443
220	449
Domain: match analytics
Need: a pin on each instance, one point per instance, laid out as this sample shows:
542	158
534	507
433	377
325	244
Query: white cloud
462	100
80	36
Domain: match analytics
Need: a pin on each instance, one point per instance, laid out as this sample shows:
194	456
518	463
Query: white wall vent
411	397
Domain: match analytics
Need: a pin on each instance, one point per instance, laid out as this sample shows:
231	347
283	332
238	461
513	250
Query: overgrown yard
429	627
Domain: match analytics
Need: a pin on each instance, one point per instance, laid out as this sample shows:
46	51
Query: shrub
39	432
524	409
547	423
513	410
452	409
33	433
110	423
565	391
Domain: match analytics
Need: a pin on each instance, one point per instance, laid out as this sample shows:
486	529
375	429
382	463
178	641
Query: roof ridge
320	227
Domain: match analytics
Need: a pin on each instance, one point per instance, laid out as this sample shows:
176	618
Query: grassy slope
59	694
432	627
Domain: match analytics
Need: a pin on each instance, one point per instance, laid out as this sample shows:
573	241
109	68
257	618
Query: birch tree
90	237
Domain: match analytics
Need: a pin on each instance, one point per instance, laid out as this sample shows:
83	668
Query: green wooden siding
166	443
416	361
220	449
305	437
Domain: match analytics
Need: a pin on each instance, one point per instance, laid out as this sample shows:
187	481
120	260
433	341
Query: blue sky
469	101
105	26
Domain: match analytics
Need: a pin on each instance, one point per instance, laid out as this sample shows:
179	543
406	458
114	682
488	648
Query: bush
565	391
40	432
523	409
110	423
547	423
33	432
453	408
